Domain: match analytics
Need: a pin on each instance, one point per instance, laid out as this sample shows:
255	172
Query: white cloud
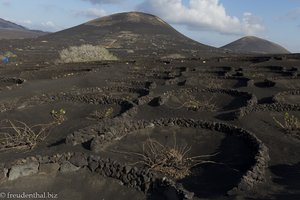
251	24
20	22
202	14
103	1
91	13
49	24
26	22
34	25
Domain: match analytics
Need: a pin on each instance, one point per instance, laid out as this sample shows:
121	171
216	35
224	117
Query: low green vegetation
289	123
59	116
109	112
102	114
85	53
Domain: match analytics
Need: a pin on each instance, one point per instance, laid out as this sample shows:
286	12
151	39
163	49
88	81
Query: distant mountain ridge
10	30
4	24
256	45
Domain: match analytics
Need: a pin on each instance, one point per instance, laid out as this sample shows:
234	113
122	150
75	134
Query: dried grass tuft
171	161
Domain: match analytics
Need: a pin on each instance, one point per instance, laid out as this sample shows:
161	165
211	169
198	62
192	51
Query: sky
212	22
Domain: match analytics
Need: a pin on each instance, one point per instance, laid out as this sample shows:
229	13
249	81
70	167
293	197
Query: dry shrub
213	83
204	104
99	115
210	83
171	161
85	53
191	103
257	75
19	135
173	56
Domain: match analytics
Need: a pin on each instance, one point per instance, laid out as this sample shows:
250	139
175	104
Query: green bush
85	53
289	123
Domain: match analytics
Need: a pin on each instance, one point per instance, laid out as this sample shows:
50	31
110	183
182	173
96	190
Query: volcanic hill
252	44
131	33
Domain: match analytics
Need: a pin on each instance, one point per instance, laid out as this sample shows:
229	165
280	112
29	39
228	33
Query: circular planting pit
274	107
265	84
292	99
70	73
203	73
95	96
41	113
110	104
217	83
28	127
102	95
219	150
128	83
162	76
288	97
209	150
106	112
206	99
129	93
283	102
212	164
113	106
260	73
292	84
59	71
10	82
